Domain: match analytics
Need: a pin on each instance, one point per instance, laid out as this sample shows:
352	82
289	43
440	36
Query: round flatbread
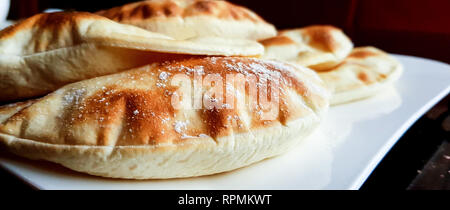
365	72
127	125
184	19
47	51
319	47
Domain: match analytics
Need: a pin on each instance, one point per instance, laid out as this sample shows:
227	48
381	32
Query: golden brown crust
361	53
50	27
53	21
47	51
142	10
50	31
277	40
137	105
157	104
366	71
187	19
357	58
363	77
319	47
321	37
179	8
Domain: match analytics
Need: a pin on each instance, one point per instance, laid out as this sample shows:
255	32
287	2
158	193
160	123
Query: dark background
420	159
420	28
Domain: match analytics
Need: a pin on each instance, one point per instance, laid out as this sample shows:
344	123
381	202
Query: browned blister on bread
127	125
319	47
44	52
183	19
350	73
365	72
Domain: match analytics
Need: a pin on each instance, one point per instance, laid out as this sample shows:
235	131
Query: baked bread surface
125	125
44	52
364	73
183	19
319	47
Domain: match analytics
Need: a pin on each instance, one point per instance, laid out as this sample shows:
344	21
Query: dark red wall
420	28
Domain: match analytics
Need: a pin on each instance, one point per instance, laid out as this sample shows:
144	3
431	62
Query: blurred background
419	28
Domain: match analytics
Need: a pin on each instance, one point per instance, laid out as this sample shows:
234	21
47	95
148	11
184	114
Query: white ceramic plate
339	155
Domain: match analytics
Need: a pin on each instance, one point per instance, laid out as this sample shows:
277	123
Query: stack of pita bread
94	92
350	73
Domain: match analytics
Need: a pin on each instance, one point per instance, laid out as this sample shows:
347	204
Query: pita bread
183	19
47	51
124	125
365	72
317	47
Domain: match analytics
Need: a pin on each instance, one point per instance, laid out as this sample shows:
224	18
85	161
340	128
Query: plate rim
405	126
374	161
